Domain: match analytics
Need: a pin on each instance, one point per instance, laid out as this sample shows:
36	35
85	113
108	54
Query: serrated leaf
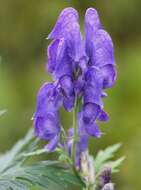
115	164
104	155
44	174
8	158
35	153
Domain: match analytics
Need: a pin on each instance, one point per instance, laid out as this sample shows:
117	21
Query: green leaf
16	176
115	164
44	174
9	157
104	155
35	153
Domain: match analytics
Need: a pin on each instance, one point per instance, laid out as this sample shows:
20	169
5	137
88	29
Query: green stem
90	187
75	136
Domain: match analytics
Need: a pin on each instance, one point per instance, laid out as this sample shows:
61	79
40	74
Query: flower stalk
90	187
82	68
75	136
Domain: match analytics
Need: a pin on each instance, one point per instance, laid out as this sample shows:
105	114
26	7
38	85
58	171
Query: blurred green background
24	25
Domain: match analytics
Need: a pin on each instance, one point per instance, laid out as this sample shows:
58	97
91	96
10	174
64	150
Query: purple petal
43	96
93	130
66	85
103	52
79	85
67	16
103	116
109	76
94	76
83	64
52	55
59	62
92	94
90	112
99	45
82	143
70	132
48	99
92	24
92	20
52	144
68	102
93	86
67	27
48	126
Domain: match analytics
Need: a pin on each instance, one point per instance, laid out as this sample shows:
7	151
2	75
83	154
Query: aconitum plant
82	67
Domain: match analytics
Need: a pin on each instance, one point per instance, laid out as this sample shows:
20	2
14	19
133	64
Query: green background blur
24	26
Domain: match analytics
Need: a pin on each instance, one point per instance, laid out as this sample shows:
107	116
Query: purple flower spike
81	69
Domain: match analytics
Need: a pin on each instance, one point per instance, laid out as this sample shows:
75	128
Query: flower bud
108	186
87	168
105	176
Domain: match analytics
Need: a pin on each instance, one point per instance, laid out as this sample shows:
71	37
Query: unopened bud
105	176
91	170
87	167
108	186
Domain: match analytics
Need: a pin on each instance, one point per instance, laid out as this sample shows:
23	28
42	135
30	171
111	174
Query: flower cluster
81	69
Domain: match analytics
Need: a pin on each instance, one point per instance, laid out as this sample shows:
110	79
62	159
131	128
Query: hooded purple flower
81	60
99	48
46	117
81	68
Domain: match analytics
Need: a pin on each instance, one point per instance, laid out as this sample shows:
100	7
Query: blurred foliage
24	25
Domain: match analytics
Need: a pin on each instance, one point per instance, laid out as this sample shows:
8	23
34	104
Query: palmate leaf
16	176
103	157
35	153
115	164
12	155
44	174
